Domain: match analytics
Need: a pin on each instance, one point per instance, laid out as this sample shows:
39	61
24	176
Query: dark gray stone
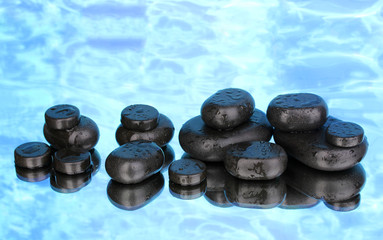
344	134
297	112
139	117
256	160
134	162
96	160
64	183
187	192
33	175
68	162
227	108
33	155
187	172
210	145
62	117
345	205
297	200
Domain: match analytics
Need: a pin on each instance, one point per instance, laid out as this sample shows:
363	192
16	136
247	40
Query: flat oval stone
169	157
68	162
81	138
312	149
297	200
33	155
256	160
187	172
161	135
135	196
344	134
329	186
297	112
62	117
217	198
64	183
140	117
134	162
187	192
33	175
345	205
210	145
227	108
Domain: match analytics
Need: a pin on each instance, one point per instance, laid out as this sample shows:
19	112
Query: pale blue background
104	55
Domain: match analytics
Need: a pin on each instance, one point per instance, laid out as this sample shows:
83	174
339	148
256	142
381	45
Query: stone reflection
169	157
33	175
215	178
187	192
64	183
297	200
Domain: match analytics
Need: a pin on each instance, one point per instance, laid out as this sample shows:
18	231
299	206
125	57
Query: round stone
68	162
344	134
227	108
210	145
161	135
297	200
345	205
187	192
33	175
81	138
256	160
187	172
134	162
62	117
64	183
139	117
33	155
134	196
297	112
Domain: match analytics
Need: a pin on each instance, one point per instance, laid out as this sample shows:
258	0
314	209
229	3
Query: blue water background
104	55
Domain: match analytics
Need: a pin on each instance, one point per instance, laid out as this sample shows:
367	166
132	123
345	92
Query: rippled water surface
104	55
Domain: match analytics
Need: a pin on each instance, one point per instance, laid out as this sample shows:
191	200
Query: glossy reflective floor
102	56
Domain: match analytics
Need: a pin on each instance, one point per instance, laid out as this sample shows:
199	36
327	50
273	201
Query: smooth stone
68	162
187	172
210	145
139	117
329	186
187	192
169	157
256	160
62	117
297	112
134	162
96	160
227	108
134	196
81	138
33	155
297	200
255	194
345	205
312	149
33	175
217	198
161	135
64	183
344	134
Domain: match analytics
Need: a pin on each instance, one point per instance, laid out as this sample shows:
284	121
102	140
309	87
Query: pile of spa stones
72	138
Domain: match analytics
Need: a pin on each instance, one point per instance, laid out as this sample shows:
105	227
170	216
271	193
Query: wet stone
297	112
33	155
161	135
187	192
256	160
227	108
68	162
139	117
297	200
345	205
187	172
344	134
210	145
62	117
134	162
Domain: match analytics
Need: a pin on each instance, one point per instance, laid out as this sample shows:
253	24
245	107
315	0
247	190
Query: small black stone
227	108
140	117
134	196
344	134
169	157
81	138
33	175
161	135
187	192
187	172
62	117
345	205
64	183
134	162
256	160
33	155
297	112
297	200
68	162
210	145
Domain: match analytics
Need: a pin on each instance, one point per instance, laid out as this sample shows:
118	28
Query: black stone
187	172
312	149
134	162
217	198
344	134
139	117
134	196
169	157
187	192
33	155
62	117
64	183
297	112
81	138
33	175
329	186
207	144
68	162
256	160
345	205
161	135
297	200
96	160
227	108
